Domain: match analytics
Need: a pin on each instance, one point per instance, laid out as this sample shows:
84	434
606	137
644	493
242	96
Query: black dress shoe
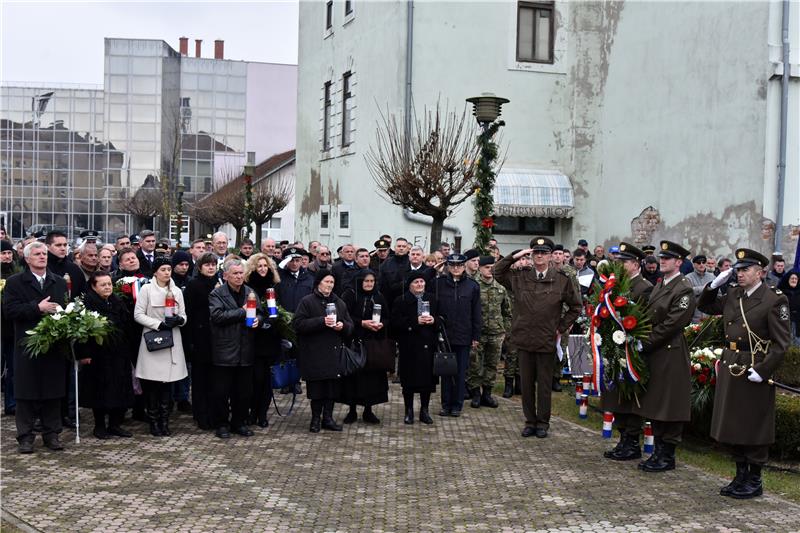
331	425
541	433
409	418
118	432
263	423
315	425
286	390
223	432
425	416
25	447
455	413
370	418
444	412
101	433
351	416
244	431
528	431
53	444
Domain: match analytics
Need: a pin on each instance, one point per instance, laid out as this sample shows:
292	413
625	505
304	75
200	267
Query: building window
329	15
535	32
324	220
344	220
348	7
524	226
346	104
326	118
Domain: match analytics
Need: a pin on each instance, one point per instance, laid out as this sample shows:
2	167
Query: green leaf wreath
58	332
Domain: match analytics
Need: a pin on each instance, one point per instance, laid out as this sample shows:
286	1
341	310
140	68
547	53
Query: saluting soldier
496	311
666	402
538	318
628	423
757	335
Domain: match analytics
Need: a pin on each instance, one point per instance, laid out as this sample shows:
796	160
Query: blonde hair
252	265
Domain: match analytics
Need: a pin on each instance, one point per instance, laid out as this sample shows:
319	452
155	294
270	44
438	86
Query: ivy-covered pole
486	109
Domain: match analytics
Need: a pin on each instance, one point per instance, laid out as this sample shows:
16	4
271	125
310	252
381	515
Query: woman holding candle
413	325
369	312
323	325
160	307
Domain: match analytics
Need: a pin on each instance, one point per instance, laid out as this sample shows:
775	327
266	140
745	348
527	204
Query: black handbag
158	340
445	363
350	361
379	353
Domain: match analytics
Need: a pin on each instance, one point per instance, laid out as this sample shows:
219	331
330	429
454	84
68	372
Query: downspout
409	65
784	125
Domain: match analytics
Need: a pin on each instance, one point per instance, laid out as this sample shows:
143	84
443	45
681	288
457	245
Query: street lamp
486	108
249	172
180	189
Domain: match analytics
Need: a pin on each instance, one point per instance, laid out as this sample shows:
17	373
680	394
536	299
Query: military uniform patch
683	303
783	312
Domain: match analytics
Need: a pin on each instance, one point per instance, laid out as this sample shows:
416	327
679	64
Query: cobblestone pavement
473	473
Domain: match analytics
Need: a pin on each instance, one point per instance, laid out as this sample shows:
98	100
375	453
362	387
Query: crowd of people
210	306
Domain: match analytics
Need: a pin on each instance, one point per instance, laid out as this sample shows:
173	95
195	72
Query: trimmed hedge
789	371
787	427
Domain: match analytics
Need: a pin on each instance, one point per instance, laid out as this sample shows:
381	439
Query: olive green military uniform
496	312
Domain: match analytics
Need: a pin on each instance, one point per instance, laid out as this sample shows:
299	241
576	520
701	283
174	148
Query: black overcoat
319	345
416	343
106	382
198	318
43	377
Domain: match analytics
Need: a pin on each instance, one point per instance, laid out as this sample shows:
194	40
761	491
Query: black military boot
657	445
476	398
609	453
741	474
486	398
630	449
664	461
751	486
508	391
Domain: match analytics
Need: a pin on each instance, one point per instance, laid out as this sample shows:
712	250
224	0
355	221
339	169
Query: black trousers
262	389
48	410
424	399
628	424
754	455
232	393
115	417
669	432
201	394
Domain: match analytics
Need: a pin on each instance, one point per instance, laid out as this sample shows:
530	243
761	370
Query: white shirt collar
667	280
543	273
39	278
754	289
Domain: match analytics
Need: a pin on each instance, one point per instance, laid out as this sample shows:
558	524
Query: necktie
41	283
541	275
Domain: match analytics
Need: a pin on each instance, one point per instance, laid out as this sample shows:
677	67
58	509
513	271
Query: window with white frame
325	219
271	229
327	109
343	218
535	32
347	96
329	15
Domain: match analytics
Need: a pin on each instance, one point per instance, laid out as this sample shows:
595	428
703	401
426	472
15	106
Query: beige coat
163	365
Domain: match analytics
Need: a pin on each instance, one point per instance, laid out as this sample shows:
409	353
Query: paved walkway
474	473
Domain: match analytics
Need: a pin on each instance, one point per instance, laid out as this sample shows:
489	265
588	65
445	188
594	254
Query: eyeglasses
324	253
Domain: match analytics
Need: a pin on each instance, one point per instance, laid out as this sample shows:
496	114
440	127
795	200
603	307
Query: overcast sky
62	41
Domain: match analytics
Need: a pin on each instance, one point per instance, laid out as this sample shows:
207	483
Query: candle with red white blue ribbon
608	423
583	410
648	438
250	310
272	307
578	392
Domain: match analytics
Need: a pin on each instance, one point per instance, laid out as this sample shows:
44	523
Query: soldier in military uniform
538	318
757	335
628	424
666	402
559	263
496	312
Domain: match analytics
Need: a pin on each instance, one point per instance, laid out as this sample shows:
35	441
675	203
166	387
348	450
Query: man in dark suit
666	402
147	252
628	424
39	383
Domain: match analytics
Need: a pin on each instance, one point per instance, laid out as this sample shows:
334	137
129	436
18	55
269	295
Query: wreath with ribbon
617	327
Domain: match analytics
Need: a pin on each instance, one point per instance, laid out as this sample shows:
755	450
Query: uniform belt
734	347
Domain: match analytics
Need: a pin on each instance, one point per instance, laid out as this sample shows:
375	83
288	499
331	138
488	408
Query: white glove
721	278
286	344
753	376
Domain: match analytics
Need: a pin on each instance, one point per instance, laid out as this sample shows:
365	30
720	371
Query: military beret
486	260
472	253
629	251
542	244
672	250
746	257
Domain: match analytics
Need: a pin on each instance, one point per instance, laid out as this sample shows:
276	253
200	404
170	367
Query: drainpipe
409	64
784	125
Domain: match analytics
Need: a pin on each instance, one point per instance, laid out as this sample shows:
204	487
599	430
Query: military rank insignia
783	312
683	303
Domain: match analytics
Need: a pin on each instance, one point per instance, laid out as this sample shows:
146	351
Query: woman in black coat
105	378
417	337
198	340
320	338
261	274
790	286
366	387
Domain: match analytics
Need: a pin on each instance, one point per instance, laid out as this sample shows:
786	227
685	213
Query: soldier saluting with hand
757	335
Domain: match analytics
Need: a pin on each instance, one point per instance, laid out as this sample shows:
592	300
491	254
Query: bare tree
270	196
206	212
145	204
433	171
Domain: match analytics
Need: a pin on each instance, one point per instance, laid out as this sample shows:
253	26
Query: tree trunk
238	236
258	236
436	232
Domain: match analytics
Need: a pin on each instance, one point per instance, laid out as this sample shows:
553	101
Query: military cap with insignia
89	235
292	252
456	259
486	260
208	238
134	240
746	257
39	236
472	253
649	249
542	244
162	248
671	250
381	244
629	251
699	258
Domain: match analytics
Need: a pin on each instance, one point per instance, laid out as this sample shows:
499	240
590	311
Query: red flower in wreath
620	301
604	312
487	222
713	380
596	321
629	322
127	289
702	379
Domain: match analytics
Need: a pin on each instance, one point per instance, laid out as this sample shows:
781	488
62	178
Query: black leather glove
163	326
173	321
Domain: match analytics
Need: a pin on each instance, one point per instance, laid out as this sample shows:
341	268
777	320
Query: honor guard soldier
628	423
757	335
538	319
666	402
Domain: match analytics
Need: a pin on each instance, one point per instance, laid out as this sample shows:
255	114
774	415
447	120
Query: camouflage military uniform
496	312
572	274
511	368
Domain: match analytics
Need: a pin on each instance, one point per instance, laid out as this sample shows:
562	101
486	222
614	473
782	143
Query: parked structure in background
73	155
610	133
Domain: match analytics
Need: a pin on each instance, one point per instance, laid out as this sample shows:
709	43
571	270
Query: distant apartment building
627	120
72	155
